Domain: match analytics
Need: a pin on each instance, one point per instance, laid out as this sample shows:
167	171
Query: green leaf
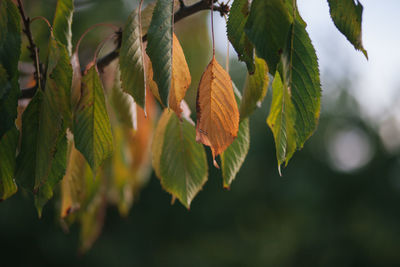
59	79
123	105
159	46
255	90
42	158
62	23
267	28
300	74
233	157
92	130
8	148
347	16
10	50
131	59
178	160
235	28
281	120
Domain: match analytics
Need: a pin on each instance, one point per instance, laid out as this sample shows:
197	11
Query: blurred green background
336	204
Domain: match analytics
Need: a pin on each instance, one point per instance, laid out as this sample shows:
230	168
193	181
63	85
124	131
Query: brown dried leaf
217	111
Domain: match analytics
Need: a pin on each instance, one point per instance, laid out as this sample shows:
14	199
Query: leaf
62	23
267	28
281	120
41	161
217	111
73	185
235	29
10	50
347	16
8	148
59	79
179	162
76	80
233	157
255	90
123	104
159	46
181	79
131	59
92	129
300	75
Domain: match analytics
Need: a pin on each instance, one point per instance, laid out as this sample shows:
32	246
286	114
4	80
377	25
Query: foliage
95	138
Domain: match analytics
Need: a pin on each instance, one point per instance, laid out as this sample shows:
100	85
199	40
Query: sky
375	81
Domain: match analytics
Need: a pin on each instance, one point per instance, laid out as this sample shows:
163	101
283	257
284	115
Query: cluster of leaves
95	142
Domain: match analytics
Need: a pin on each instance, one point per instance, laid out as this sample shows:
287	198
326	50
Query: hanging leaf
347	16
123	105
10	50
59	79
180	80
281	120
92	129
131	162
159	46
76	80
131	59
62	23
73	185
42	159
8	148
217	111
235	29
233	157
267	28
300	75
255	90
179	162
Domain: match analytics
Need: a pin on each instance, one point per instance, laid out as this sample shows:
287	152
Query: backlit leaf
347	16
123	105
131	59
179	162
42	159
300	75
217	111
159	46
10	49
267	28
62	23
92	130
233	157
8	148
235	29
255	90
281	120
180	80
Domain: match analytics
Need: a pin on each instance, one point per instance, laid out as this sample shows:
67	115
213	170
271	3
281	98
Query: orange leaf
217	111
180	80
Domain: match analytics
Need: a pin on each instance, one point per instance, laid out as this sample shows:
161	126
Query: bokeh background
337	203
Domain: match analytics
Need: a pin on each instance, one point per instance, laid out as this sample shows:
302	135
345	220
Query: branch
32	46
183	12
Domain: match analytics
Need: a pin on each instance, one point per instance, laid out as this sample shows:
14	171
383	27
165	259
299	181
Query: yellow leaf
217	111
180	80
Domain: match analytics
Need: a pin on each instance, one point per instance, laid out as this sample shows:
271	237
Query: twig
183	12
32	46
